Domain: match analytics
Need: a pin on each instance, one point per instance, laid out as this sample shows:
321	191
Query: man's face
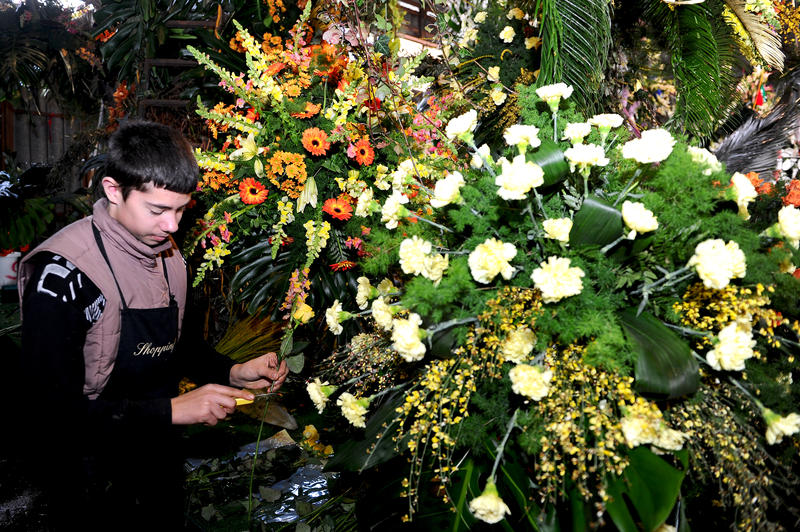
150	215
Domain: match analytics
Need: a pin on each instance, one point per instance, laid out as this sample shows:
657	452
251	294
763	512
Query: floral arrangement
566	322
601	307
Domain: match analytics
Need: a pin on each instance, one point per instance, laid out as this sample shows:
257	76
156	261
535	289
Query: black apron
141	462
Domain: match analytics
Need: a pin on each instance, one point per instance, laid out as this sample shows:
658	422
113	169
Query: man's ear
112	189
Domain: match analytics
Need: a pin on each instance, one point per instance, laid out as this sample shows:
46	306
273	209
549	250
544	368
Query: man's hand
261	372
206	404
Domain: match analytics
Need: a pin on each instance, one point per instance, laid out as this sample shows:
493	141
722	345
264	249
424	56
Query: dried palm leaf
754	33
753	147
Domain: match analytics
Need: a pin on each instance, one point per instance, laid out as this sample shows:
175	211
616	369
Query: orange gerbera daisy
315	141
338	208
364	152
252	192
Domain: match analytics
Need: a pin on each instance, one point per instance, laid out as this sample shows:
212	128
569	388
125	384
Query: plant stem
501	447
686	330
439	226
448	324
669	278
255	460
628	186
747	394
612	244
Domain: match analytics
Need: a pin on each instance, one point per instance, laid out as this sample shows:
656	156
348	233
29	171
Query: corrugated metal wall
39	136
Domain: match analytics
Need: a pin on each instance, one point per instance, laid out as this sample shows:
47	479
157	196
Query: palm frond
754	146
753	33
576	39
699	63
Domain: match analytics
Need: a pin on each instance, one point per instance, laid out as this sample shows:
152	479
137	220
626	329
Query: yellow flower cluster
583	438
208	161
433	409
316	239
710	310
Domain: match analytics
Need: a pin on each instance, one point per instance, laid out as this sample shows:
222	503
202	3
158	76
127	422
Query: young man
105	344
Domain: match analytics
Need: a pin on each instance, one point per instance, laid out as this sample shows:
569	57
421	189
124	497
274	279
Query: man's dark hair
141	153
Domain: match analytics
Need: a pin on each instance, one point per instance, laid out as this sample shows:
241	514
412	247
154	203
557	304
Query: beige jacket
139	272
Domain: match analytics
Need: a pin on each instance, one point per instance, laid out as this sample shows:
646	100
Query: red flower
364	152
342	266
252	192
338	208
315	141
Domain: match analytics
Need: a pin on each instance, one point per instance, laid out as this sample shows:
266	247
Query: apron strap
102	248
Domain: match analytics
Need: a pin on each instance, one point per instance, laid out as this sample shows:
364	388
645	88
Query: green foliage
702	62
453	298
490	411
576	39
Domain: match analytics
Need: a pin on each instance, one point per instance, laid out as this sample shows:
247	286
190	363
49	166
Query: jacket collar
116	234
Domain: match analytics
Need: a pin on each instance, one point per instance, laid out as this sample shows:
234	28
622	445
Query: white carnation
744	192
353	409
655	145
558	229
447	190
412	254
462	125
706	158
382	313
518	344
789	224
406	338
735	345
531	381
575	132
479	156
554	93
393	209
519	133
364	292
490	259
518	177
606	121
332	317
717	262
557	280
585	156
638	218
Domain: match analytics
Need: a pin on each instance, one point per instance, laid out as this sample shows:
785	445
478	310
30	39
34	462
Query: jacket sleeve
60	304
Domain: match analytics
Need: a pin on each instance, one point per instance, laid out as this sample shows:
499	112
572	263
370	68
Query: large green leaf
664	364
643	497
551	159
597	223
358	455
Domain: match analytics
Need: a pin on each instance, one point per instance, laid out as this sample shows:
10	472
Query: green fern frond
755	34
